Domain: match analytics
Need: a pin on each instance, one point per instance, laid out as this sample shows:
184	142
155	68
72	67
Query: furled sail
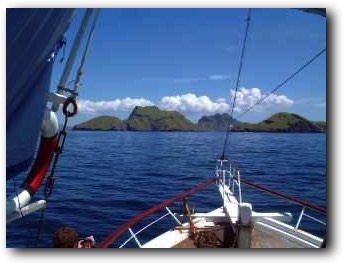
32	36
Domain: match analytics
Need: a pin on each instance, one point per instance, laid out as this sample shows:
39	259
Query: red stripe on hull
45	154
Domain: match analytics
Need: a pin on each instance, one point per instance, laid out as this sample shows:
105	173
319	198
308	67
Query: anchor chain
206	239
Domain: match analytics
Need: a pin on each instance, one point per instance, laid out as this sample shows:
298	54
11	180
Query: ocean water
105	178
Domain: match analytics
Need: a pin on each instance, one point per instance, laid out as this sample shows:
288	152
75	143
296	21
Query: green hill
280	122
151	118
102	123
283	122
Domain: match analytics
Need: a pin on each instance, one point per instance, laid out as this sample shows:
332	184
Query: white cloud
190	103
232	48
125	104
186	103
221	100
322	104
214	77
218	77
246	97
312	101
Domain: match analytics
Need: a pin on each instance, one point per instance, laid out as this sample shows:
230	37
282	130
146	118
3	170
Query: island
151	118
102	123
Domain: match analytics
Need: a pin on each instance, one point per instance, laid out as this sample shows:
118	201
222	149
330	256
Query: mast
61	88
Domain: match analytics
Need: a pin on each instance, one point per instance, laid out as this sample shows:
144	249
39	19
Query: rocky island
217	122
151	118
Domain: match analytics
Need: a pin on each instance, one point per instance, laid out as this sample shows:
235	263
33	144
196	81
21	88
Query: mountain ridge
151	118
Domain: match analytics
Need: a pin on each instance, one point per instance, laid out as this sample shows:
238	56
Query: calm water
105	178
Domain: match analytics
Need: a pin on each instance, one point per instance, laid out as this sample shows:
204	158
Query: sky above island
187	60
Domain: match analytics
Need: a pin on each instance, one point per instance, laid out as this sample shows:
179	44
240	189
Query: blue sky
187	60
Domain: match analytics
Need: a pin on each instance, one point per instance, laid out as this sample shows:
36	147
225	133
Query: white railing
233	178
234	175
134	235
234	184
302	214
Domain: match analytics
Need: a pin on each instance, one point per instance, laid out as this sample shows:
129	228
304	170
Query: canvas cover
32	36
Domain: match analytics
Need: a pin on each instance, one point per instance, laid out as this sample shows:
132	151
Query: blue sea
105	178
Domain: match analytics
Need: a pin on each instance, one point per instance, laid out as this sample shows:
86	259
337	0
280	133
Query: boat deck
261	238
216	237
264	238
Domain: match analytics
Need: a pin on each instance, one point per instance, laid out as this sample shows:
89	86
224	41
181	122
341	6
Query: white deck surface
270	229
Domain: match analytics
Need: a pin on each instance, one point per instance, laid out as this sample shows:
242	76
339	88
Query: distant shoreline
198	131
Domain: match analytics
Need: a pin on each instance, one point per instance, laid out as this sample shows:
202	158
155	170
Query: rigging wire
86	51
248	19
226	142
300	69
282	83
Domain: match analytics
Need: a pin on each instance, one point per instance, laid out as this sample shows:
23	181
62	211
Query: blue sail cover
31	39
